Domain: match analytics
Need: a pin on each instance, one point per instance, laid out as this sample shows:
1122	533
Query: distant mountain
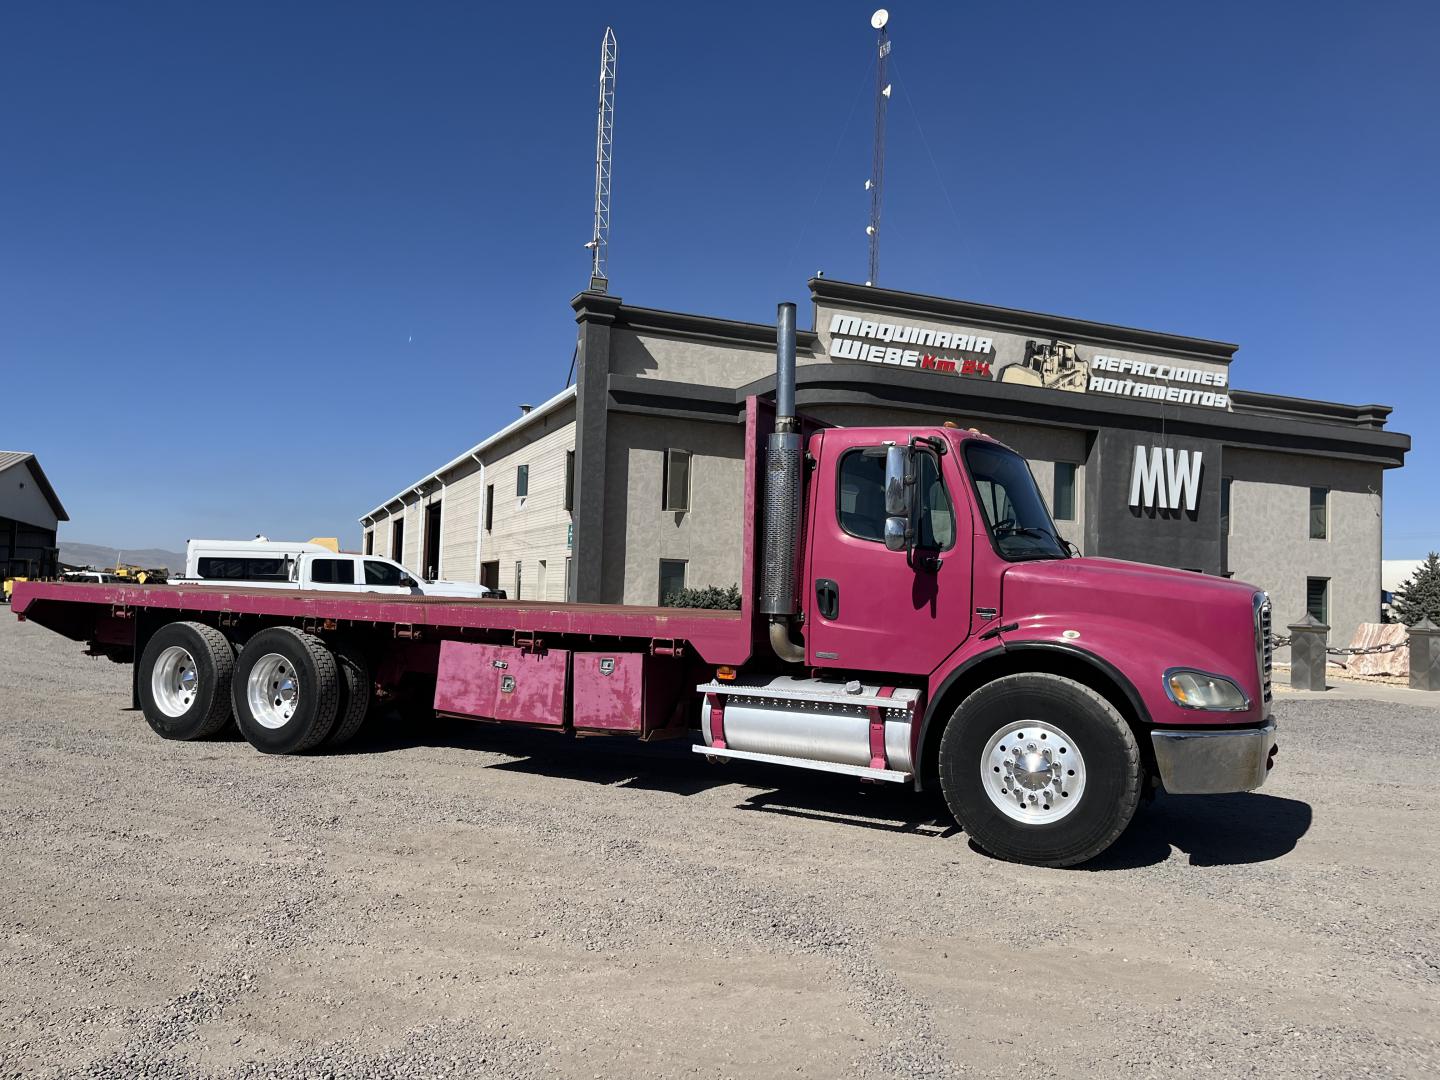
93	555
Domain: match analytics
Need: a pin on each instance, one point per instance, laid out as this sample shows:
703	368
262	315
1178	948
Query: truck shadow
1211	830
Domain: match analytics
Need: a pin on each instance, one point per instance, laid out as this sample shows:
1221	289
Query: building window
1225	482
522	481
1064	491
541	582
567	577
397	539
677	480
430	560
518	565
1317	598
489	507
672	578
569	479
369	541
1319	513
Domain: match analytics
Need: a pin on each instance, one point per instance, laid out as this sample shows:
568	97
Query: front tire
286	691
1040	769
184	681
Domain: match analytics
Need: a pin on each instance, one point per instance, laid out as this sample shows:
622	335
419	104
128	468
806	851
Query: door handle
827	598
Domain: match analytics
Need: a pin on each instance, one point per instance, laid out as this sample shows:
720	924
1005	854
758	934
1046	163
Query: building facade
30	514
629	484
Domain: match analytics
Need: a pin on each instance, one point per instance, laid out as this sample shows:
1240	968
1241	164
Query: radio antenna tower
599	244
876	184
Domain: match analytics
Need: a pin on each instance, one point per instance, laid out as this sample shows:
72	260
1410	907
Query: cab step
891	775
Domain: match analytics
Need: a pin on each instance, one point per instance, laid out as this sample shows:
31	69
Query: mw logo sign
1165	479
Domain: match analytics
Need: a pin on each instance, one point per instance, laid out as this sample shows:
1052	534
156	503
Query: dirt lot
466	901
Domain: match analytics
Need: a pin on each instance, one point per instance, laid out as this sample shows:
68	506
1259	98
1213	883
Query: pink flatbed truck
908	614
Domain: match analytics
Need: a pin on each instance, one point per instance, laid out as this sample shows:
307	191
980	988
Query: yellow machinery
128	572
1053	365
15	570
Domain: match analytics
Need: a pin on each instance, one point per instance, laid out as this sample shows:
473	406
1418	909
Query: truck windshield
1013	508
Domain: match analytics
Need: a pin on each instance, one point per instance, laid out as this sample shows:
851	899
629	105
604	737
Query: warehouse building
629	484
30	514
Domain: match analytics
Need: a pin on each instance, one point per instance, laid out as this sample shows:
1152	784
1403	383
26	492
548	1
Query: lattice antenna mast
599	244
876	184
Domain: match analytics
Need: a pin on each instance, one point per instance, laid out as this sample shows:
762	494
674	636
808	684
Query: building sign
1049	365
1165	479
931	350
1178	383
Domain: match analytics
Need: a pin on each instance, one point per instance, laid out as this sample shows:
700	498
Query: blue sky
262	264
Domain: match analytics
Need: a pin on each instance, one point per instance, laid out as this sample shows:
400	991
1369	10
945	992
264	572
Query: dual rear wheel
287	690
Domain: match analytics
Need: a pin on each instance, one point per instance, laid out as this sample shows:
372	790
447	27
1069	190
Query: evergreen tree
1419	597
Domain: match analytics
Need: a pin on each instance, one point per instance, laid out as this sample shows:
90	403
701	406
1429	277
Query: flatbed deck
720	637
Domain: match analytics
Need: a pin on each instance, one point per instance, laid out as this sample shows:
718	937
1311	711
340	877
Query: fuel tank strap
715	704
877	731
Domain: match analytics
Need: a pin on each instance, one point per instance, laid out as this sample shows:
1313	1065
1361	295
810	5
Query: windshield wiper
1027	530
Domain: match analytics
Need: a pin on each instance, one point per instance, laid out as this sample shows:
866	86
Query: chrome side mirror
897	533
899	484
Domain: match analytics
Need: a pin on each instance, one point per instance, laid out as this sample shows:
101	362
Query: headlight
1201	690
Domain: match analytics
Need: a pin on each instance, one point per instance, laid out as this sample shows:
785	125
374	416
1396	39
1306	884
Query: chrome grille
1264	643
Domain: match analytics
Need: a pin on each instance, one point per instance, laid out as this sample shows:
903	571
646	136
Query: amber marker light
726	673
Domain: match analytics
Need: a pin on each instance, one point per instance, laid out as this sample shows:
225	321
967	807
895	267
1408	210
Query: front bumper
1211	762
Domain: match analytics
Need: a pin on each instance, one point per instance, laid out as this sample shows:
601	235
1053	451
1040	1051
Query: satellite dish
879	19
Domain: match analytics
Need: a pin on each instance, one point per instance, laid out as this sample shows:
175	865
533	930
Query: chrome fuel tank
811	719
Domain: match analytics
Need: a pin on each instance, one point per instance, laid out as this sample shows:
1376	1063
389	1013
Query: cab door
870	608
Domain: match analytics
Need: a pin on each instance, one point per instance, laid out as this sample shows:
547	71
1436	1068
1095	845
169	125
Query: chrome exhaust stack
784	462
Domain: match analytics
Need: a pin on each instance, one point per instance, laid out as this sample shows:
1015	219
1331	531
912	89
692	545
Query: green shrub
1419	597
711	596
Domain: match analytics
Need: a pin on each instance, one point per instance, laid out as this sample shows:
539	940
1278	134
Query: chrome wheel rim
1033	772
273	691
174	682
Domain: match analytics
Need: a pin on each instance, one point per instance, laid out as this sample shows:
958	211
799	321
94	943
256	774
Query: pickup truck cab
271	564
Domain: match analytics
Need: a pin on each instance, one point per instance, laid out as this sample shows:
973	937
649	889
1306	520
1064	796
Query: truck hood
1140	619
1108	587
1118	574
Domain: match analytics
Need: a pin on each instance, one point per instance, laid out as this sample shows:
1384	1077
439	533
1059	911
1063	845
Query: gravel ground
461	900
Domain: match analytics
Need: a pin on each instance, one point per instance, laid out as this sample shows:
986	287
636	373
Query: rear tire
184	681
1040	769
286	691
354	697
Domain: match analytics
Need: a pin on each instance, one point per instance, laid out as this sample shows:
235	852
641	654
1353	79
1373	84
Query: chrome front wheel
1051	792
1033	772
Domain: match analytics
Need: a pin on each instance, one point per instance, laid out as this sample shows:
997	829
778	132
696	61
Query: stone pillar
595	313
1308	638
1425	656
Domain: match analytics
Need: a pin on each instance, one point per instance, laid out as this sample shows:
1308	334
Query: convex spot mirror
897	533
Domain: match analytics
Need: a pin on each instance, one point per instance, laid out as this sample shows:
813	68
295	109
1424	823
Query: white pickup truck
276	564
